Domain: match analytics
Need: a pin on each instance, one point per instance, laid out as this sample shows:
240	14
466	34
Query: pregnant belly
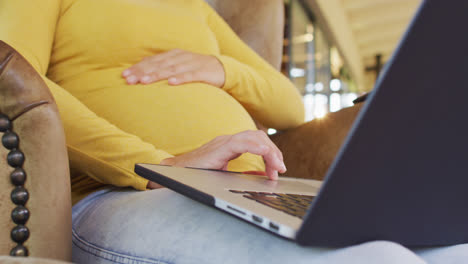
177	119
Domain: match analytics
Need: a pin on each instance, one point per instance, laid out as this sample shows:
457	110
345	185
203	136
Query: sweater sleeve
96	147
264	92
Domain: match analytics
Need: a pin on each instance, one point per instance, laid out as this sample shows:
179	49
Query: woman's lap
160	226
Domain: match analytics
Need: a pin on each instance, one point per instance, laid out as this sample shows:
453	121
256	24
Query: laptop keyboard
292	204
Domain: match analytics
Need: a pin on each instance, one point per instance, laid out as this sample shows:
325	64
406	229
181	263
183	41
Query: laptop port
236	210
257	219
274	226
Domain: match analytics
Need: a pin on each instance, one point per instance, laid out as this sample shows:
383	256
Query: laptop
402	172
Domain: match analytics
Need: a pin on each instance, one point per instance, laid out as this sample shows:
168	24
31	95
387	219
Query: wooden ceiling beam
394	13
380	21
353	5
393	32
361	29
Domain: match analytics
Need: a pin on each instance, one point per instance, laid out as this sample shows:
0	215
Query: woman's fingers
211	72
168	72
153	185
217	153
178	67
185	77
257	142
147	65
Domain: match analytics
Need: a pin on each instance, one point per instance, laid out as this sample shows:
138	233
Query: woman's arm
95	146
266	94
100	149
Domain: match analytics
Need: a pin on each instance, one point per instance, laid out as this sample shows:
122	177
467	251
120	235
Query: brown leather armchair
33	155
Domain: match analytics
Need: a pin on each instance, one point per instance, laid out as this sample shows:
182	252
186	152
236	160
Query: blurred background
335	49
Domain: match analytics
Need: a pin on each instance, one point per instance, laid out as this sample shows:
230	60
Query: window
313	64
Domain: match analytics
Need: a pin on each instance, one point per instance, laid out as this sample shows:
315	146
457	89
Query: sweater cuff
140	183
231	71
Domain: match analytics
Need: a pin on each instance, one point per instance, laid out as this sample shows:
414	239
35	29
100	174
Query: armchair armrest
310	149
33	165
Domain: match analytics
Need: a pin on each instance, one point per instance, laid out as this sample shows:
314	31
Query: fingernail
172	80
132	79
145	79
126	73
283	167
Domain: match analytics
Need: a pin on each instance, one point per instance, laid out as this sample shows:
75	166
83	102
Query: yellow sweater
81	47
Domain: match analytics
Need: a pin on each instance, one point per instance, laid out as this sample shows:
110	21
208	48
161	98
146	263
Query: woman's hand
217	153
178	67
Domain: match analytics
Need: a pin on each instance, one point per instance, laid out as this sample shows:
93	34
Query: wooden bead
18	177
19	234
15	158
5	123
19	196
10	140
19	251
20	215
